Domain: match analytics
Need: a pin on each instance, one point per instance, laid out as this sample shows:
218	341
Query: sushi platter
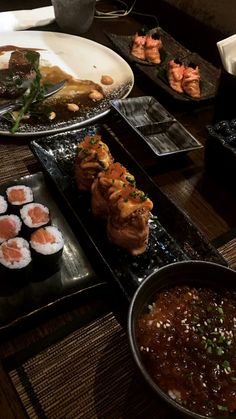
32	279
172	236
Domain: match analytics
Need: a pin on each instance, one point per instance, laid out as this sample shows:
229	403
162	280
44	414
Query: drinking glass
74	16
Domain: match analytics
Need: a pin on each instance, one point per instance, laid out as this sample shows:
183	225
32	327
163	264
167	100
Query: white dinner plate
83	59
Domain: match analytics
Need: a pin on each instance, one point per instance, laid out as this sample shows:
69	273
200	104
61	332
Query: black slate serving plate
172	236
172	49
155	125
20	302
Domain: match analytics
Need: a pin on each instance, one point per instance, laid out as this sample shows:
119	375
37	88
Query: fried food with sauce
92	157
127	224
106	183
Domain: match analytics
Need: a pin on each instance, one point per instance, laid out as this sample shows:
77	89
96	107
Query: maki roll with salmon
10	226
47	247
34	216
15	259
3	205
17	196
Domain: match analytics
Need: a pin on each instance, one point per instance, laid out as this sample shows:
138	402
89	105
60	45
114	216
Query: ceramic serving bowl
195	274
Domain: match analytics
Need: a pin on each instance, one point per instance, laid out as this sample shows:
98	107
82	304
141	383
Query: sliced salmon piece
175	73
43	236
138	47
11	252
16	195
38	215
191	80
152	47
7	228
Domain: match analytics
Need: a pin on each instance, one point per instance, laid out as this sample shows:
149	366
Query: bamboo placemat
89	374
15	161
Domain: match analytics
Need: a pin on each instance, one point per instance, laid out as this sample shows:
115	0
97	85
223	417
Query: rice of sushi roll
34	215
3	205
19	195
15	258
47	246
10	226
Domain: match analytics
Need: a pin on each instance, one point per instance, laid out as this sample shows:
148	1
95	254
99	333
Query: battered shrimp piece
152	47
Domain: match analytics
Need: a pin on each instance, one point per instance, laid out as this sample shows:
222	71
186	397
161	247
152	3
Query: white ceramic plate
82	58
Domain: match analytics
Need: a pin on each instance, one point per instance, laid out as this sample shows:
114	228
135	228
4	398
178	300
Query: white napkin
23	19
227	50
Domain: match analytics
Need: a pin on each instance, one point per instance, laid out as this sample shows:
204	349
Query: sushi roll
47	246
3	205
17	196
34	216
15	259
10	226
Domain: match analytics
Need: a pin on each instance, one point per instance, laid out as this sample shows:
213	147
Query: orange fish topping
38	215
11	252
7	228
16	195
43	236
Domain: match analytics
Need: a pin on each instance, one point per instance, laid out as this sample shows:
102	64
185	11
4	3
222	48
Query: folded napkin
23	19
227	50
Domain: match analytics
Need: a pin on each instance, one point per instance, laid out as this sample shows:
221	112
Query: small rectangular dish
155	125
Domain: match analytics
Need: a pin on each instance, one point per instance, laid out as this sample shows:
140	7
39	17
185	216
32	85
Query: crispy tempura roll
152	47
138	46
191	80
127	224
92	157
175	72
107	182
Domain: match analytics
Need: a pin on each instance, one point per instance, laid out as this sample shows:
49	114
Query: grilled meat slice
20	69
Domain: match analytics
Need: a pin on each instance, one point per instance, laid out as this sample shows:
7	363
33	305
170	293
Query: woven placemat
15	161
88	374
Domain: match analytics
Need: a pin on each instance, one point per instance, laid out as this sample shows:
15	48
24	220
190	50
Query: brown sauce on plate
188	345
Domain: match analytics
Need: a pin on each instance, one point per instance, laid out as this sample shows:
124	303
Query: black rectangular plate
75	275
172	235
155	125
172	49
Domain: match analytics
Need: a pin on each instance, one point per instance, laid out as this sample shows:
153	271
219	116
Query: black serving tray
22	301
172	235
172	49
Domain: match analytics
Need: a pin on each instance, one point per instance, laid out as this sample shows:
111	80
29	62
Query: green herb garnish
35	91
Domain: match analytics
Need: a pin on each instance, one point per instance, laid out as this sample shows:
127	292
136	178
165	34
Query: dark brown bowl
192	273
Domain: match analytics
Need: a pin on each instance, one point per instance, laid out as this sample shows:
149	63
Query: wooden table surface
210	204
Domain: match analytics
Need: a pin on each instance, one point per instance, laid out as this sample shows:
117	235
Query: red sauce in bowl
187	342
